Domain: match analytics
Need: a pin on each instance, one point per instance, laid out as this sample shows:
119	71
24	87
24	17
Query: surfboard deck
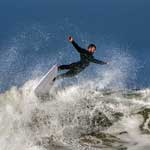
46	82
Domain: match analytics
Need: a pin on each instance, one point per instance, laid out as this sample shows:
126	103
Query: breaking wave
75	117
96	111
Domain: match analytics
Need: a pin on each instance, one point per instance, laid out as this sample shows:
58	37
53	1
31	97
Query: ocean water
104	107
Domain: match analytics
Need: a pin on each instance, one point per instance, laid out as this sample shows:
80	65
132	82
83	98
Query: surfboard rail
46	82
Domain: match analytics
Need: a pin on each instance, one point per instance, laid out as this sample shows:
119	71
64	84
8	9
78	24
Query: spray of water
89	114
77	116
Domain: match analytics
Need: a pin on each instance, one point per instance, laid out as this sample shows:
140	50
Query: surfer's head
92	48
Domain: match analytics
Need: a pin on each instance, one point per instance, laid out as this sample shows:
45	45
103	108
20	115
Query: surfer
86	57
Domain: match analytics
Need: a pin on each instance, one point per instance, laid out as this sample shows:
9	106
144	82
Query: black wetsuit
76	67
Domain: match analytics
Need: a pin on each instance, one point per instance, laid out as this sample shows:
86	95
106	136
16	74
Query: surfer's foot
54	79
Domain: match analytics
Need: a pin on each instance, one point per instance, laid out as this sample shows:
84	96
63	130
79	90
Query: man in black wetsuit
86	57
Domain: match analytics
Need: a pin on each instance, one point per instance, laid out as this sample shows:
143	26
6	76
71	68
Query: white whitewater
66	120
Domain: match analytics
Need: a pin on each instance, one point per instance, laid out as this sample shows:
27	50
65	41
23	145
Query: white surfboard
46	82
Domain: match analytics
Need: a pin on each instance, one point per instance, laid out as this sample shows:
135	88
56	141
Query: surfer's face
92	49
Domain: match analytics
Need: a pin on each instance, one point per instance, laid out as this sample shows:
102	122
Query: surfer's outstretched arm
76	46
99	62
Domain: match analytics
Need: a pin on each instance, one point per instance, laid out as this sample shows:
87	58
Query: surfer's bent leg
63	67
68	74
68	67
73	68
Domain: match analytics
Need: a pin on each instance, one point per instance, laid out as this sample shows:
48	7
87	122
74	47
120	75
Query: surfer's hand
70	38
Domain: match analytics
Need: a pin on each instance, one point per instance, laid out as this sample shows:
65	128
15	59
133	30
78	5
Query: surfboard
46	82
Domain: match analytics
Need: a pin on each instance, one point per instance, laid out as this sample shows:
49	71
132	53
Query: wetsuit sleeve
78	48
98	61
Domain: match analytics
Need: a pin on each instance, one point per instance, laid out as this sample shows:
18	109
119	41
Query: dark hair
92	45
